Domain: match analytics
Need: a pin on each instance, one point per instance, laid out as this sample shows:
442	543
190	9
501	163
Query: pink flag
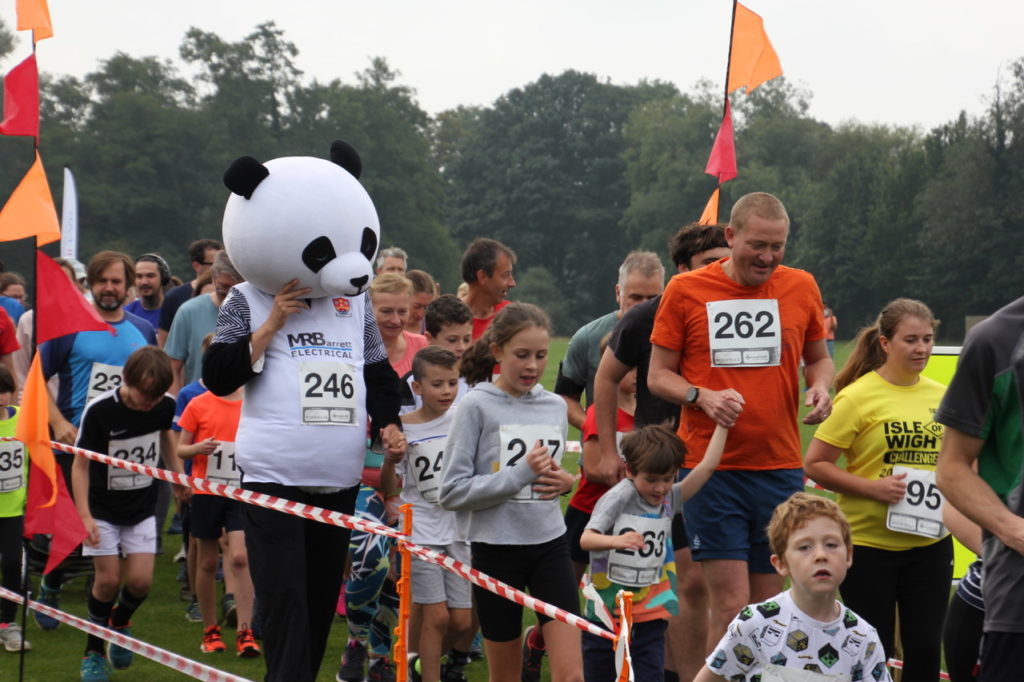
722	162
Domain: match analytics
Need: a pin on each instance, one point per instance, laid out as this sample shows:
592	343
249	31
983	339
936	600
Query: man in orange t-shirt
727	345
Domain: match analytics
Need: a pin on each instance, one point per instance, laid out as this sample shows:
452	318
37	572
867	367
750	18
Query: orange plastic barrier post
404	599
622	655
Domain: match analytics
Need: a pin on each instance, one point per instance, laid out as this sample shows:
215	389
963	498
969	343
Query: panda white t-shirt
304	419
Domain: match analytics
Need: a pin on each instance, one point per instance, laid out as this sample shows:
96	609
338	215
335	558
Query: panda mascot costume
301	336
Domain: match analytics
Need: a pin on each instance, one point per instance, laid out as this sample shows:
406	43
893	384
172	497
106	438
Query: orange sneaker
245	643
212	641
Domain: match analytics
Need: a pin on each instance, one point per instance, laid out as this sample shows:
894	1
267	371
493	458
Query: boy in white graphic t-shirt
803	633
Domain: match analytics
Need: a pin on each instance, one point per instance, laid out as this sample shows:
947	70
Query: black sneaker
353	661
381	670
452	672
50	597
229	610
532	658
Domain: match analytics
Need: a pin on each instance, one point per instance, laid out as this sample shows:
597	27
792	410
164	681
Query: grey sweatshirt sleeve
609	507
468	481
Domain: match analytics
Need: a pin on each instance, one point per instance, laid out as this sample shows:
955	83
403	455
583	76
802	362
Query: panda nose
358	282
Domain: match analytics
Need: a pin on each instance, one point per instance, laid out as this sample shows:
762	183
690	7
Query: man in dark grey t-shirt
981	412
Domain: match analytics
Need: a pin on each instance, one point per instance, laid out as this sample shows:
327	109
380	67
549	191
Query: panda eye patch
369	244
318	253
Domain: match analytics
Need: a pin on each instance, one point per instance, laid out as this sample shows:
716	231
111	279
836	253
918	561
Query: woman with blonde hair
391	295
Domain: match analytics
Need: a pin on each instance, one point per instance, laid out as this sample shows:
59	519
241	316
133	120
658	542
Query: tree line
570	170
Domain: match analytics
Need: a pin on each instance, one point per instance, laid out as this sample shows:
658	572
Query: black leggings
10	563
916	581
961	639
543	570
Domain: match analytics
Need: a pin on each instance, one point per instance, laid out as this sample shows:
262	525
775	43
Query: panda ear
244	175
346	156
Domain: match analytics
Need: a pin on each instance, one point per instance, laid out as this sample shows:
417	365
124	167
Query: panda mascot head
303	218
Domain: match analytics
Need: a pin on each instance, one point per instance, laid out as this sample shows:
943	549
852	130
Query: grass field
161	621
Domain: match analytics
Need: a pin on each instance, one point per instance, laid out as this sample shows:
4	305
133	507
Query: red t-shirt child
588	492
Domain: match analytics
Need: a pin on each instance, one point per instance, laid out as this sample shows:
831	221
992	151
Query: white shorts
137	539
432	584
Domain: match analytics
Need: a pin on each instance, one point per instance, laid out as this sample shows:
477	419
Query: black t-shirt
108	427
631	343
173	300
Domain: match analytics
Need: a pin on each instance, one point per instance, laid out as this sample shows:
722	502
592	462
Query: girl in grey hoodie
502	471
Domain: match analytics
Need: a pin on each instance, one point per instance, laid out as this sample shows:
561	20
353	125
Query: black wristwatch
692	394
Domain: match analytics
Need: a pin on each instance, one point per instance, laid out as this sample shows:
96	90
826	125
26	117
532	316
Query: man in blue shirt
152	277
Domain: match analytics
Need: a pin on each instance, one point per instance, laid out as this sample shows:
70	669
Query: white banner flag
69	217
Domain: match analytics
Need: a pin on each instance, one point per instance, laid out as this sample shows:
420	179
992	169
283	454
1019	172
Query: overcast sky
906	62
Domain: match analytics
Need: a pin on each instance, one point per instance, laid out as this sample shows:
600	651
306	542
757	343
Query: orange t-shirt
210	416
766	435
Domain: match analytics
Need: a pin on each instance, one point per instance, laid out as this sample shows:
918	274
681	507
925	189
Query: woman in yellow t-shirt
882	422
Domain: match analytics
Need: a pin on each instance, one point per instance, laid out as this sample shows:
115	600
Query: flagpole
26	544
725	103
728	59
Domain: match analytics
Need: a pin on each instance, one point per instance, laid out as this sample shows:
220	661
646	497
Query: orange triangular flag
30	211
35	15
33	426
710	214
752	60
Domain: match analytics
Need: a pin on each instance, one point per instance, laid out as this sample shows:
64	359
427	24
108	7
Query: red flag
35	15
722	161
752	60
60	307
21	100
710	214
61	520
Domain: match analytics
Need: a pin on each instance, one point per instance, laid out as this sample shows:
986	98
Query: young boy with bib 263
629	537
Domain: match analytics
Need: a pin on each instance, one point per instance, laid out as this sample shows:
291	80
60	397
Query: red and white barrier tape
312	513
306	511
153	653
894	663
811	483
